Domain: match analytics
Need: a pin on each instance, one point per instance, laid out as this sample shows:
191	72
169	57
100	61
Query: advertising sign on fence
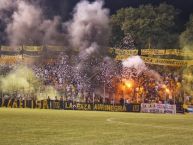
190	109
158	108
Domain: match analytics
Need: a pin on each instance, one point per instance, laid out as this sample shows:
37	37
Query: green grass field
54	127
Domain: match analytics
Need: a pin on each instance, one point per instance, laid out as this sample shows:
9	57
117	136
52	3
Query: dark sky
65	7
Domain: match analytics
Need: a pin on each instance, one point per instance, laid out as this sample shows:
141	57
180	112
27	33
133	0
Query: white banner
158	108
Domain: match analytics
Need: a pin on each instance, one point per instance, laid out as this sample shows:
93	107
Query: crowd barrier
65	105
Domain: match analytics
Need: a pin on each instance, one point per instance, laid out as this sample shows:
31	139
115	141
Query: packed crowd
167	88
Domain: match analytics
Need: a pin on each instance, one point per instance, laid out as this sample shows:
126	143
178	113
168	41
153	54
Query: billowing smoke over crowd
87	35
85	62
88	31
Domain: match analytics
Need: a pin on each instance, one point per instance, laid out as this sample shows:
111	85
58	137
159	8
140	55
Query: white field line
112	120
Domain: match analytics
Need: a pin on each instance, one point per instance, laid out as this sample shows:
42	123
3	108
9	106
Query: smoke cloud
24	24
135	62
89	29
20	80
48	91
88	33
49	27
4	4
5	7
136	66
28	25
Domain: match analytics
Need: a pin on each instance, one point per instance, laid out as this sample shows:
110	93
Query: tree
186	38
150	27
127	42
116	25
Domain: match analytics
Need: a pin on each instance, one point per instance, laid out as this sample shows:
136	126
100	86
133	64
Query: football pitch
59	127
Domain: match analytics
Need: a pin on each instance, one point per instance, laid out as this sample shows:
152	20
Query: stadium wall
64	105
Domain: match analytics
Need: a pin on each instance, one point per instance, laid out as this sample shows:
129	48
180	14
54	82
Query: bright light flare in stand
167	90
128	84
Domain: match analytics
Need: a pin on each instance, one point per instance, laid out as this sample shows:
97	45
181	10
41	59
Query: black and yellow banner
33	48
153	52
160	61
13	54
55	48
5	59
167	62
125	52
64	105
10	59
11	48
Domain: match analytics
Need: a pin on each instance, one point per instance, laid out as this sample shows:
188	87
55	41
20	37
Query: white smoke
89	29
49	27
89	32
89	26
136	65
4	4
135	62
89	51
28	24
24	23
